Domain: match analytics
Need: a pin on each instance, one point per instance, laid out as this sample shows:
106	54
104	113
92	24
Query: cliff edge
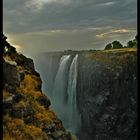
26	112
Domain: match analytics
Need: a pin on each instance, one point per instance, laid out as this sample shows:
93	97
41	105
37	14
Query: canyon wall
27	114
107	95
106	91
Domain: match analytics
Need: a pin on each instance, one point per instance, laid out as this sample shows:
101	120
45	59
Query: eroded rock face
107	97
33	111
10	73
26	113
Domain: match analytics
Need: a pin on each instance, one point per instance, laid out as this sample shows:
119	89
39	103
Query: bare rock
44	101
10	73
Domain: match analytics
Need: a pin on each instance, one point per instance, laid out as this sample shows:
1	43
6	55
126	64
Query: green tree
117	45
130	44
108	46
135	41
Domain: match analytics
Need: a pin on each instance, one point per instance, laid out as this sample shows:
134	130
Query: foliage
114	45
132	43
108	46
118	45
33	132
17	129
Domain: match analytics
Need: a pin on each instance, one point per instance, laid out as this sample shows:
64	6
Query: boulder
57	134
22	75
10	73
49	127
29	64
8	103
18	97
28	111
15	98
44	101
29	120
61	135
10	88
16	113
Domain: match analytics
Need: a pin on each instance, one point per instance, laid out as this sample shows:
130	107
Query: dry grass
113	56
121	50
18	130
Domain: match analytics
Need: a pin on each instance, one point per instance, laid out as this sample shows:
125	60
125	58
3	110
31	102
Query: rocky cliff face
106	92
26	112
107	95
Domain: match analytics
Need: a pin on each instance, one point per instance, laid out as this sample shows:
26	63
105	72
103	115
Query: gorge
94	93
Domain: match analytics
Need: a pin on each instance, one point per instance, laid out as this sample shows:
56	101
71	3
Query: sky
34	26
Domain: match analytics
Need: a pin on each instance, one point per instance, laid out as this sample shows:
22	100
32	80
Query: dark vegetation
118	45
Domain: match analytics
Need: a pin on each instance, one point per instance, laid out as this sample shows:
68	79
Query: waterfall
60	89
60	82
63	99
74	117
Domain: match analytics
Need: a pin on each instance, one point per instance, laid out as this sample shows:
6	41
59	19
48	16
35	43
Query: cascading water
64	93
74	117
60	82
60	88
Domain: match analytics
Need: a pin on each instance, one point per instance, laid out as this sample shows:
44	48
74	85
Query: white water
74	117
64	99
60	89
60	82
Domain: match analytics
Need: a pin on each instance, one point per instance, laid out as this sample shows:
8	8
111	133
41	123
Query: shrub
108	46
116	45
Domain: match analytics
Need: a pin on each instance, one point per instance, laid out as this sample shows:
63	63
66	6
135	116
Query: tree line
118	45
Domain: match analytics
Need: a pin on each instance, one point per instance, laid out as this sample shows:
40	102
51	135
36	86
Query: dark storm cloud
22	16
37	19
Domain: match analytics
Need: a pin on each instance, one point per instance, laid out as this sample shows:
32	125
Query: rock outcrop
26	112
10	72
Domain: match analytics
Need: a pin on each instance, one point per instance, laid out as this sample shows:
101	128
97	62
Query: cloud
55	32
110	3
65	24
38	4
116	32
20	16
106	4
